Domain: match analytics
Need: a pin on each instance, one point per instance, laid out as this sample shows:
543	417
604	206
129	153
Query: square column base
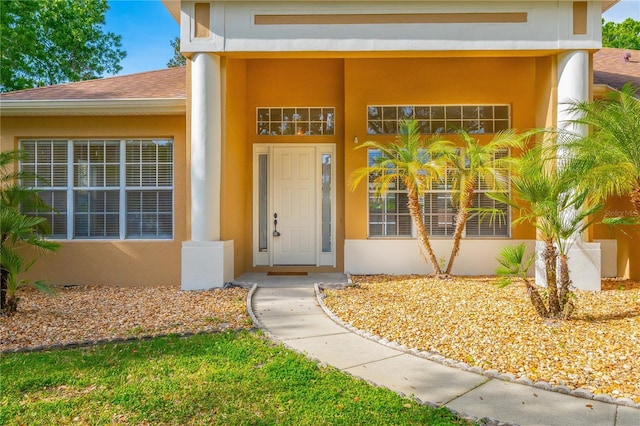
207	264
585	266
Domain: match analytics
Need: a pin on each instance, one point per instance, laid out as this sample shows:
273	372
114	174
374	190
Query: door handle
275	225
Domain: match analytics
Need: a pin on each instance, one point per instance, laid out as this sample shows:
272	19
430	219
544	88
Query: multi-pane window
96	189
45	167
305	121
438	207
432	119
389	214
106	189
149	182
497	225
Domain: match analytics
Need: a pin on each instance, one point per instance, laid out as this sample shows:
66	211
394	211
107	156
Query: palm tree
514	263
18	230
414	162
610	155
549	199
476	164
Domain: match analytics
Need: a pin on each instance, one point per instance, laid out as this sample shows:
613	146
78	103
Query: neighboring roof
615	67
154	92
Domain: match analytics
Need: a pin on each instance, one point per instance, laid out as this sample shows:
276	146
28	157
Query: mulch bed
473	321
97	313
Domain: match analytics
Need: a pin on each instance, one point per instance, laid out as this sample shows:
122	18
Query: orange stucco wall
628	237
527	84
111	262
431	81
303	83
236	180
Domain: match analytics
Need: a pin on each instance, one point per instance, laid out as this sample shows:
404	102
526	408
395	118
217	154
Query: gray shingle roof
611	68
168	83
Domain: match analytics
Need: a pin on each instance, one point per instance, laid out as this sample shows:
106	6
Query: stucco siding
111	262
441	81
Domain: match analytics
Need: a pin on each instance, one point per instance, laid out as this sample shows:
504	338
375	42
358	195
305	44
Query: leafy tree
625	35
413	162
18	231
610	156
475	164
47	42
178	59
548	197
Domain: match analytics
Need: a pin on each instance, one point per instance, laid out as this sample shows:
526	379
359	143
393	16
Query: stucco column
206	147
573	85
206	261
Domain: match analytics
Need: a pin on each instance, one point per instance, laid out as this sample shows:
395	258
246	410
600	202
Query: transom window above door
433	119
295	121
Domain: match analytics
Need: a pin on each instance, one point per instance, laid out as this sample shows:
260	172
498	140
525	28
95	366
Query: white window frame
300	127
442	237
371	194
122	188
444	120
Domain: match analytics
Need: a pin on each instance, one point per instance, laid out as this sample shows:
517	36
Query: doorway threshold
285	273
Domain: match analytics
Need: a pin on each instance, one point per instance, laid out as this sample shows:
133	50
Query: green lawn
231	378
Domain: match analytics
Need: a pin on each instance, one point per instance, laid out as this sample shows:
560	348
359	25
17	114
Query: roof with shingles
611	67
167	83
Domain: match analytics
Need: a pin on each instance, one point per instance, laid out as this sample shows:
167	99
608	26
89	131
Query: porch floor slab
281	281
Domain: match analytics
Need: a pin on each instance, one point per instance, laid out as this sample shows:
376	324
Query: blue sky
147	28
623	10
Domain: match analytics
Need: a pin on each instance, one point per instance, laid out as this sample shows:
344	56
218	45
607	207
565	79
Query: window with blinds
389	214
499	224
96	189
45	167
149	175
103	189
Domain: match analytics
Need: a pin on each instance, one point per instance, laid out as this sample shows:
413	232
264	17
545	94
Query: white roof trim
167	106
607	4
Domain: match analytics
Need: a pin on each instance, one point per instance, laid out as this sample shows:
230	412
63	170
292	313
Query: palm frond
513	261
610	156
621	221
503	281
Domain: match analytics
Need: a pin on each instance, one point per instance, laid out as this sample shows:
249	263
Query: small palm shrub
514	264
17	232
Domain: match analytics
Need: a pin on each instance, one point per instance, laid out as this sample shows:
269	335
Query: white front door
294	206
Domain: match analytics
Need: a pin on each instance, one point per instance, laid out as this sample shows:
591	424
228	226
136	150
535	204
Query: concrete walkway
287	309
